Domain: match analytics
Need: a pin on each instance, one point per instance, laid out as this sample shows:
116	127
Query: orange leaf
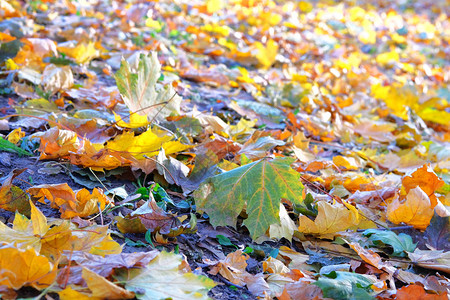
416	210
232	267
414	291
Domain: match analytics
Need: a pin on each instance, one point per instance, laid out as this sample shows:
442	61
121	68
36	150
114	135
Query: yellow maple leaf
397	97
148	143
15	135
266	54
82	53
136	121
69	294
330	219
103	288
25	267
36	233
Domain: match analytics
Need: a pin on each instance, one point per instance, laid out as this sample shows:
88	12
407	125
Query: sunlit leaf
331	218
138	89
260	185
162	279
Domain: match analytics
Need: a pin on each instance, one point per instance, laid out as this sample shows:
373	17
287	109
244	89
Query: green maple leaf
261	185
141	92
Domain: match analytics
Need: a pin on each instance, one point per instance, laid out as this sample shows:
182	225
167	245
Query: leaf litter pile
232	149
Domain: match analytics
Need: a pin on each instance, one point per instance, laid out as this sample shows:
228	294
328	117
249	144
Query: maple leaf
431	259
266	55
147	143
70	204
56	78
51	239
138	89
162	279
401	243
25	267
13	198
232	267
103	288
372	258
415	211
260	185
414	291
135	121
331	218
343	285
81	53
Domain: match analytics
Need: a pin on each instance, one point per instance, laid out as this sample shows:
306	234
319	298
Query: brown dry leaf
415	211
232	267
69	203
130	224
331	218
293	259
372	258
155	218
98	160
431	259
25	267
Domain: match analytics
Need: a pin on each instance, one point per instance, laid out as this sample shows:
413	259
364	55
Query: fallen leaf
232	267
103	288
162	279
415	291
401	243
415	211
138	89
260	184
25	267
81	53
13	198
56	78
431	259
331	218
